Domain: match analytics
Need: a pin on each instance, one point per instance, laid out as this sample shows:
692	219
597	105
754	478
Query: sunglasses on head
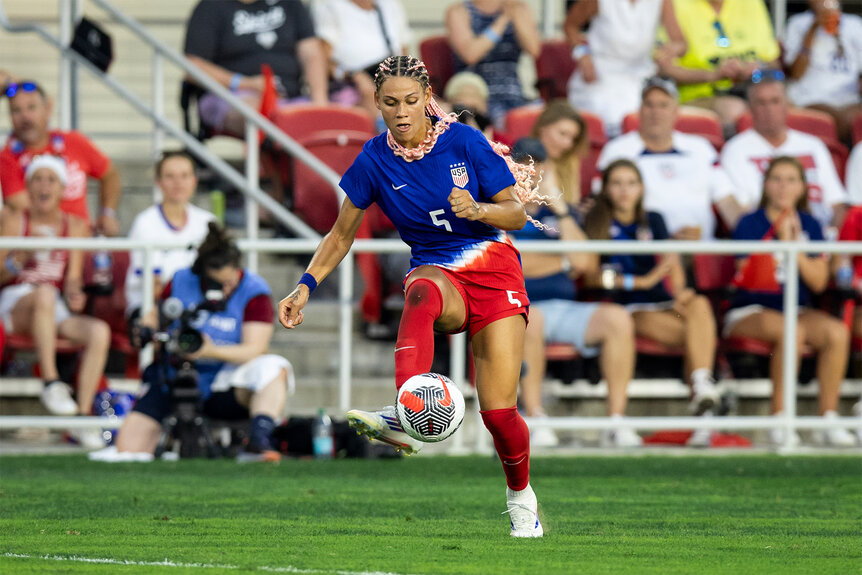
16	87
759	76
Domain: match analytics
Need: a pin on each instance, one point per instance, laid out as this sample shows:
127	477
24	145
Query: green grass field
616	515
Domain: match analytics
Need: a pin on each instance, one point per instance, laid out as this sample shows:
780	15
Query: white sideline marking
169	563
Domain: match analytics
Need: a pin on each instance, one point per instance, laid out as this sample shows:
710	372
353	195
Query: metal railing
788	250
248	184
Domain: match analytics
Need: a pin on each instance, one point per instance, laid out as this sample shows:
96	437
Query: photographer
236	378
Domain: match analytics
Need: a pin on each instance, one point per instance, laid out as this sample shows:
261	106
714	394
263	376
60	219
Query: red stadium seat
439	59
301	121
840	154
112	310
704	124
314	200
857	129
812	122
554	67
561	352
519	122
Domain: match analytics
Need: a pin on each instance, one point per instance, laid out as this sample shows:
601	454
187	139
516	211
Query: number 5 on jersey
512	298
441	221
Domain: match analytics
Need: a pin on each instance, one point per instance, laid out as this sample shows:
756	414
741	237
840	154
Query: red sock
414	348
512	442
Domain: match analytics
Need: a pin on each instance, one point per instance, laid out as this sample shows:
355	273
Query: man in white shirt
175	219
823	53
854	175
682	179
746	155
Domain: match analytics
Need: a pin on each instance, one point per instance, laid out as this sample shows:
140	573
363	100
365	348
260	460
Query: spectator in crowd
675	317
823	51
30	113
854	175
603	330
357	35
746	155
487	37
43	296
615	56
237	379
230	40
726	40
682	179
175	218
467	95
851	231
564	138
756	310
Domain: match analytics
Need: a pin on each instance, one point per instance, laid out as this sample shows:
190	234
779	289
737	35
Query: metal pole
779	17
345	329
457	361
158	104
791	309
65	85
145	357
252	175
74	77
548	7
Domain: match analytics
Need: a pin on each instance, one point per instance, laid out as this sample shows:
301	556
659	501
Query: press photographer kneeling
236	378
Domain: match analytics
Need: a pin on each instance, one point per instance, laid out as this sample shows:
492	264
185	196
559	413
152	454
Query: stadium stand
690	121
554	67
437	55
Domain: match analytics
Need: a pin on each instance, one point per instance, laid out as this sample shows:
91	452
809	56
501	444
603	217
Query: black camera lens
189	340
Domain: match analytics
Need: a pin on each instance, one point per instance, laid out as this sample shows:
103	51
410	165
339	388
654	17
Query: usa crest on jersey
459	174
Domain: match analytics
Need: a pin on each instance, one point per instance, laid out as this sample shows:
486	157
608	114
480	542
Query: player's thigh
454	308
497	350
665	327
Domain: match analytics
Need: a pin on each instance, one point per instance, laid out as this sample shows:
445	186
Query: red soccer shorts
492	287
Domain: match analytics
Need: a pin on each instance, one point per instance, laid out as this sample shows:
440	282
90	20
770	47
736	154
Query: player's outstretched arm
328	255
505	211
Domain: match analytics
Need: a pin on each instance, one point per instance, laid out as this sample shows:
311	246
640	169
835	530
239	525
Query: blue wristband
234	82
491	35
308	280
628	282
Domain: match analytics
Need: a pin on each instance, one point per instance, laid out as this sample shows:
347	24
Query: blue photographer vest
224	327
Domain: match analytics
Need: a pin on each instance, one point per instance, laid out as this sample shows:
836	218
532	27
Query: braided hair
411	67
216	251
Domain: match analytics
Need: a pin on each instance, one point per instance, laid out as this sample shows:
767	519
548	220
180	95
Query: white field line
169	563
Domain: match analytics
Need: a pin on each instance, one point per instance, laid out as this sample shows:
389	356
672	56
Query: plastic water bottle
103	279
844	275
322	439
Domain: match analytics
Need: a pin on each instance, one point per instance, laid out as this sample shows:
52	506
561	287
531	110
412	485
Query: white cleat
383	426
57	398
523	510
777	435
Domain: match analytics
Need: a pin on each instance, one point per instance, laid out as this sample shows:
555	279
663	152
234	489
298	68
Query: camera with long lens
179	337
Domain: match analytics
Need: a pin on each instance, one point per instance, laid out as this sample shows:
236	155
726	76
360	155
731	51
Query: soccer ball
430	407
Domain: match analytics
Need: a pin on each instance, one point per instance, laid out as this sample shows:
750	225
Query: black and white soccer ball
430	407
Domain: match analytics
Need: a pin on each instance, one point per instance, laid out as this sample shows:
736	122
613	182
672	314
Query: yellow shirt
745	33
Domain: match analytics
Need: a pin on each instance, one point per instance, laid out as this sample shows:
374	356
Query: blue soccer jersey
414	195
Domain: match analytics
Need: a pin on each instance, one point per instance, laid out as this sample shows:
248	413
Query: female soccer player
451	196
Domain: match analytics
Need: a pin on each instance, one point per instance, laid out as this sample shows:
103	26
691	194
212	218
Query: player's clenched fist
290	308
464	206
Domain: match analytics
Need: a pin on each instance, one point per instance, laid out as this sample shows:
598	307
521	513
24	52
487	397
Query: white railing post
457	363
158	104
548	8
148	275
779	17
345	329
791	351
66	25
252	176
